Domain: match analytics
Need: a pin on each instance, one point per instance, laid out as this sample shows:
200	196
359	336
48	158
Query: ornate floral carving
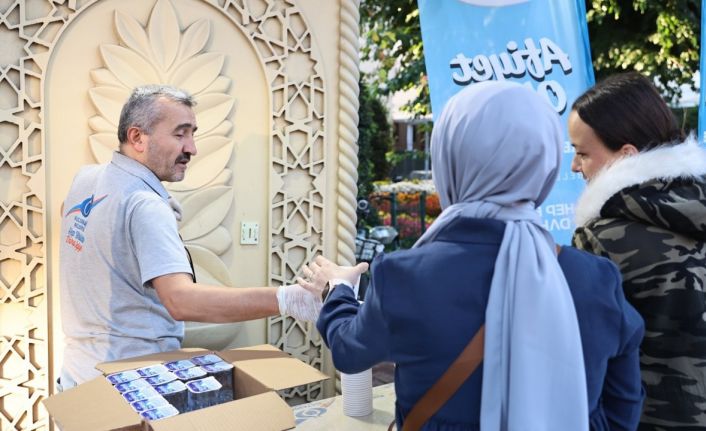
161	53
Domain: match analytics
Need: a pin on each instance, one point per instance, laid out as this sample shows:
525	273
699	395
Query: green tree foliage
394	43
657	38
374	140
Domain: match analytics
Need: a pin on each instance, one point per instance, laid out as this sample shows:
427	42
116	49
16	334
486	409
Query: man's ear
136	139
628	150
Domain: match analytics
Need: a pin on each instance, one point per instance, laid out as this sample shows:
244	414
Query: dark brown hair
628	109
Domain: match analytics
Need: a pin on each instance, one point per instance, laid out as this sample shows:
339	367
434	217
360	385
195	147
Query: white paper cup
357	392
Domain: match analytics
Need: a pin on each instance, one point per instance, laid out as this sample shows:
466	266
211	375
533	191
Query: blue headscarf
496	151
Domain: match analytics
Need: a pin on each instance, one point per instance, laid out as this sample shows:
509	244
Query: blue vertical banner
702	79
540	43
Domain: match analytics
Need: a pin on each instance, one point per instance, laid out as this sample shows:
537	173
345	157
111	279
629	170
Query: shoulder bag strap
444	388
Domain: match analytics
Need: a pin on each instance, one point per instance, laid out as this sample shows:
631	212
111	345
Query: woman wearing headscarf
644	207
560	349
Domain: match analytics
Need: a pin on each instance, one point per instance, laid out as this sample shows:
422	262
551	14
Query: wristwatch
327	291
331	284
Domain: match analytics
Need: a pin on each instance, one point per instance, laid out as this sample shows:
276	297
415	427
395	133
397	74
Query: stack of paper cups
357	392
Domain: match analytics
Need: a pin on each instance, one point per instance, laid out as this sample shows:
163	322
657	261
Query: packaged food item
182	364
160	413
140	394
223	373
176	393
158	390
161	378
132	385
152	370
203	393
149	403
206	359
190	374
122	377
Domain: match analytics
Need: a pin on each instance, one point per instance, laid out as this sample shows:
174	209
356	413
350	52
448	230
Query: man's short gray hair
141	111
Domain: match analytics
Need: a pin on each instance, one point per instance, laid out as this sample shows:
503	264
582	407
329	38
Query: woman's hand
319	272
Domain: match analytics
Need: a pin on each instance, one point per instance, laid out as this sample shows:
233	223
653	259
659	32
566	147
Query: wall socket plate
249	233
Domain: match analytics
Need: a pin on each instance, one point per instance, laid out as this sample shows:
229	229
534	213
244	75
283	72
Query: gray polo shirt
117	233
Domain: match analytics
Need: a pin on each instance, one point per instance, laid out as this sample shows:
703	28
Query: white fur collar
686	160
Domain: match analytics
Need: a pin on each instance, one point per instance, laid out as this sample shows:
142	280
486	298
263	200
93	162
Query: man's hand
299	303
321	271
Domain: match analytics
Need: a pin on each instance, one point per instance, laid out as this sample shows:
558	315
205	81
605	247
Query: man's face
591	153
171	143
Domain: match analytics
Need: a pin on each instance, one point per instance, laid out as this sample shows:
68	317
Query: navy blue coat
423	306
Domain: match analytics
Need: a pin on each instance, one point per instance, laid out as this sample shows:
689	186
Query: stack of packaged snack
163	390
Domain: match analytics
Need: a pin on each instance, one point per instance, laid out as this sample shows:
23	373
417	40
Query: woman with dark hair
644	207
560	344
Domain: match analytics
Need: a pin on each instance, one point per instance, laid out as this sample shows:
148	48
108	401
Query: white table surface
327	414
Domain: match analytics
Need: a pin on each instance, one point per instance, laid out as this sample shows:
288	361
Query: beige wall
276	82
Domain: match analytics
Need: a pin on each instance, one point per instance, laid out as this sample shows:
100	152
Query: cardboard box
259	371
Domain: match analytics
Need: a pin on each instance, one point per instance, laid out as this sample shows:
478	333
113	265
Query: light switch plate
249	233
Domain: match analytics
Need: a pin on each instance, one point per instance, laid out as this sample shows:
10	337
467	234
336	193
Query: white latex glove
297	302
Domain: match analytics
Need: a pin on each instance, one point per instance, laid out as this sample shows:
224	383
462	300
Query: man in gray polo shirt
126	280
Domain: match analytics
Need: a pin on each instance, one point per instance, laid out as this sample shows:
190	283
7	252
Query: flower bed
407	218
414	186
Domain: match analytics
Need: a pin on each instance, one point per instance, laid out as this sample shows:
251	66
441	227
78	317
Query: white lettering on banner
554	93
553	54
517	63
568	148
564	223
569	176
559	210
535	66
557	216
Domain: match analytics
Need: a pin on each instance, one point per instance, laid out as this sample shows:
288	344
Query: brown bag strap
447	385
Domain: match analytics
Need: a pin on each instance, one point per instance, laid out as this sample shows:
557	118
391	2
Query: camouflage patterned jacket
647	213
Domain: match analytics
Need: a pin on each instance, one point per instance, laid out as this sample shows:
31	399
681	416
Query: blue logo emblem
86	206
